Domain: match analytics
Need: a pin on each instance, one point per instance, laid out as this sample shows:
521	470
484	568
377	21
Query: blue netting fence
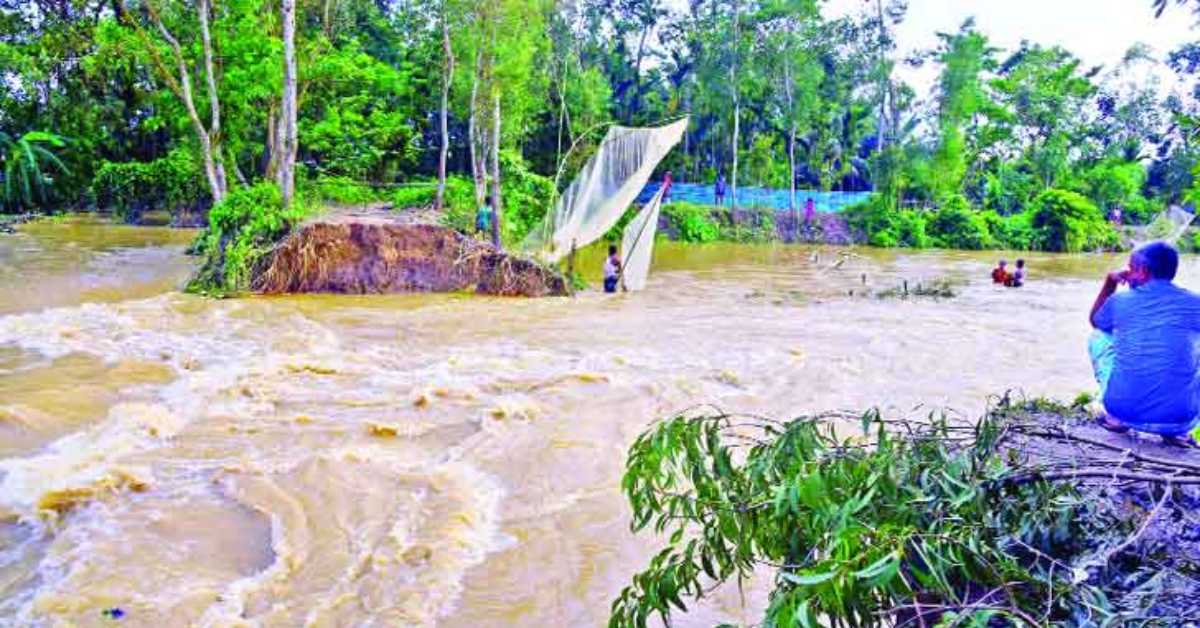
703	194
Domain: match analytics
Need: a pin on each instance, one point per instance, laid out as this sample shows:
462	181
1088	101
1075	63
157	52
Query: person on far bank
1143	352
483	218
666	187
612	269
810	214
719	190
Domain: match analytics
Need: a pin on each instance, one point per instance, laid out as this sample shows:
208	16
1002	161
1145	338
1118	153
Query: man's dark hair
1160	259
612	249
487	200
1020	263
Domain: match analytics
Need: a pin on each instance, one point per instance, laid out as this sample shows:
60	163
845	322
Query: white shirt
610	269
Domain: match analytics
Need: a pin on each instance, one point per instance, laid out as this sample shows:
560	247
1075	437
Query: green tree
24	161
965	57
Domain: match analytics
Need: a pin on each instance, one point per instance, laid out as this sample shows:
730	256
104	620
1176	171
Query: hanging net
1168	226
606	186
637	244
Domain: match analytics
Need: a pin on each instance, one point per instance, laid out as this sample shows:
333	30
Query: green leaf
807	580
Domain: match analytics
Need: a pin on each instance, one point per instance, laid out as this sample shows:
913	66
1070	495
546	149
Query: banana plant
24	161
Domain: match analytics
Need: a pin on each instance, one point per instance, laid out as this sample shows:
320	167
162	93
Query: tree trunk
237	172
737	108
182	87
562	114
271	145
287	162
496	201
883	81
792	174
448	75
328	13
789	93
637	71
475	134
204	7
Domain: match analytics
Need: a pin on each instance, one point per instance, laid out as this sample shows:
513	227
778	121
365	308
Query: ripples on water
434	459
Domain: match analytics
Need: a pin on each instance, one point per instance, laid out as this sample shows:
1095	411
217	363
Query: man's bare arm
1111	282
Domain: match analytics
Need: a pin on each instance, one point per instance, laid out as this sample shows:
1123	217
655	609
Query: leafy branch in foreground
908	523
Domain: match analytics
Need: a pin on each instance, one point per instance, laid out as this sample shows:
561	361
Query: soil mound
361	255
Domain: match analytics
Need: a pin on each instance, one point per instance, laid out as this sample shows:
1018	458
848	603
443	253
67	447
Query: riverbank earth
439	458
373	250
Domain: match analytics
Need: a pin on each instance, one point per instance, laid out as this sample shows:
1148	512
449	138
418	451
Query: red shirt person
1000	273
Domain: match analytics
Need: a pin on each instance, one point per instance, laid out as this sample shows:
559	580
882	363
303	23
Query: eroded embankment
361	257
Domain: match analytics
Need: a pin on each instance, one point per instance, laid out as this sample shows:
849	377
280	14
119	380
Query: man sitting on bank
1142	351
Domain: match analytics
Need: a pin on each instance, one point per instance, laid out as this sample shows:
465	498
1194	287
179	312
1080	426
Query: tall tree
209	136
735	57
964	56
288	125
444	118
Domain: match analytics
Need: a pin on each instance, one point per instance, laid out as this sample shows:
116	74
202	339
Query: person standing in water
1000	273
1017	279
666	187
719	190
612	269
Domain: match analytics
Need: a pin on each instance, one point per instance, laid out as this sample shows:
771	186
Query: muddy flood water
436	459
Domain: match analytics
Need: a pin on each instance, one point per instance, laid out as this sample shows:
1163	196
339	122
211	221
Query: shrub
343	190
459	210
755	224
1008	189
174	183
693	223
957	226
415	195
1068	222
1139	210
882	226
527	196
911	229
1009	232
241	229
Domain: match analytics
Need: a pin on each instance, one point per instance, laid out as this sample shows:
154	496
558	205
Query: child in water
612	269
1017	279
1000	273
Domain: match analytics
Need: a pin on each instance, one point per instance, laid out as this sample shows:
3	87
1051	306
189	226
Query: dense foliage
906	522
780	93
172	183
1066	221
242	228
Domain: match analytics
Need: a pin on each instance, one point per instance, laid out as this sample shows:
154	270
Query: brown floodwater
437	459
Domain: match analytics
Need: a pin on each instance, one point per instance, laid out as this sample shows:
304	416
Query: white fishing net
637	244
606	186
1168	226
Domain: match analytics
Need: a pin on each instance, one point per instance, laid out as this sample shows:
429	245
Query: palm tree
22	160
